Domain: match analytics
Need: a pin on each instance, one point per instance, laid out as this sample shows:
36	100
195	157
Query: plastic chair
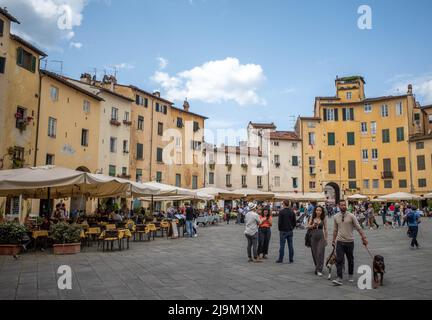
165	225
110	237
152	230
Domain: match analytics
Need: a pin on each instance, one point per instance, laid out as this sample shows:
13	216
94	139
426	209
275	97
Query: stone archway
333	192
83	169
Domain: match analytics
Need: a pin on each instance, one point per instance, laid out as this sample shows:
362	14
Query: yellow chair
140	230
92	234
152	229
110	227
110	236
165	225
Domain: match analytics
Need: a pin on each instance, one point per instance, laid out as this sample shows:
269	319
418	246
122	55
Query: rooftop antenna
61	65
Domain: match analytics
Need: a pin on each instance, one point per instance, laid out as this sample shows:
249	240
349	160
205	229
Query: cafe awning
301	197
253	194
399	196
221	194
358	197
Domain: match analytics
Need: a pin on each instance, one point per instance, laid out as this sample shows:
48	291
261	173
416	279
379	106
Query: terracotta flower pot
70	248
9	249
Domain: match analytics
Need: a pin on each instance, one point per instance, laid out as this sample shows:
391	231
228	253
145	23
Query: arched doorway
332	191
83	169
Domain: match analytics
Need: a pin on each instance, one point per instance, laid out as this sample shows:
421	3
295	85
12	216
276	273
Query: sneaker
319	274
279	261
351	278
250	260
196	236
338	282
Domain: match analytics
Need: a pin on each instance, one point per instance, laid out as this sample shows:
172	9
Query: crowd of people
347	218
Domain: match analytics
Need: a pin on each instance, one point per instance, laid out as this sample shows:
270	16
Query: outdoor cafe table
40	234
123	233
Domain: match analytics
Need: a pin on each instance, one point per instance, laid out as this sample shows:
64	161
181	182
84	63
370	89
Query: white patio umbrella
255	194
428	196
358	197
222	194
168	190
399	196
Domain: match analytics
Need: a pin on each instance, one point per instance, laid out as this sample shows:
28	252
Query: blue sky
283	53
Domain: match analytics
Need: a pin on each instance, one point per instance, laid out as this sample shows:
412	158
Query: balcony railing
127	122
387	175
115	122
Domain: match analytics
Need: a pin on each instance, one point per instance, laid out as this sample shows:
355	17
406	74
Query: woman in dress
264	232
318	225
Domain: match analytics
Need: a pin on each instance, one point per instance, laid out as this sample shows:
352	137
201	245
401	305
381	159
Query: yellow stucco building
355	144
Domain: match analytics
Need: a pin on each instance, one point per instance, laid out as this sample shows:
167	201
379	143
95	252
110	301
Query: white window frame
113	144
365	155
331	114
384	111
86	106
52	127
277	182
375	184
374	128
367	108
114	113
54	93
364	128
375	154
399	109
349	95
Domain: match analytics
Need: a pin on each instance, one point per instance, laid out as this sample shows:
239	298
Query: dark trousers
286	237
344	249
264	235
252	243
413	231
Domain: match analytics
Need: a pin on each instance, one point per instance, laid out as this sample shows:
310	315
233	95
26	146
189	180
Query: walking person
318	226
384	214
396	216
413	221
228	214
252	222
343	239
189	220
286	225
264	232
371	217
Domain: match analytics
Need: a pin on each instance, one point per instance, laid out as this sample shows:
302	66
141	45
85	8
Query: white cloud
163	63
422	86
215	82
124	65
76	45
46	22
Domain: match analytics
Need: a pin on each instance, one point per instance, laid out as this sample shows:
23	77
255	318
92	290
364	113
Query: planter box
67	248
9	249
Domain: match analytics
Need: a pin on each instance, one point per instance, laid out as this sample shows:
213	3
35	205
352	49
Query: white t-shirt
252	221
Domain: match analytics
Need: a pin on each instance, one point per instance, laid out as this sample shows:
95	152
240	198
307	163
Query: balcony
277	164
244	166
212	166
260	187
229	166
387	175
124	176
244	186
115	122
229	185
127	122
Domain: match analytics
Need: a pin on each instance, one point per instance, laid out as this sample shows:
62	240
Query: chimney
156	94
186	106
410	89
86	78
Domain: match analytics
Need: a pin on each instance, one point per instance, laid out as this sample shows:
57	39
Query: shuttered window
400	134
352	170
26	60
421	163
402	164
2	64
332	167
140	151
350	138
331	139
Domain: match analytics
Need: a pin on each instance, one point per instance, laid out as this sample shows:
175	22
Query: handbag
308	238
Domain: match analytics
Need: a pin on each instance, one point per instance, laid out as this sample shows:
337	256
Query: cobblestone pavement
214	266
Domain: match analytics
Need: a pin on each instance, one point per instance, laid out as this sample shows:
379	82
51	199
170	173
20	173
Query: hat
252	206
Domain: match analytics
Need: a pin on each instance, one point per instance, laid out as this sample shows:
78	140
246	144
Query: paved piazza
214	266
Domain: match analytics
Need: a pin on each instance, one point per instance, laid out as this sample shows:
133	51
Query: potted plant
66	238
11	236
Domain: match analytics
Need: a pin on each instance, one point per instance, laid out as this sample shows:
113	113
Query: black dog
378	271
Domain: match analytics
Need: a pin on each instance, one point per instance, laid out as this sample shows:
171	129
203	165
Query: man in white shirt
252	222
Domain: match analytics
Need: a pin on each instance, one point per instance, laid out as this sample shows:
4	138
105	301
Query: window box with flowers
229	166
229	185
115	122
212	166
124	176
22	121
127	122
244	166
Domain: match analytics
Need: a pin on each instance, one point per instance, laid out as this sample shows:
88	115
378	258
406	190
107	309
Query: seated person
116	217
46	224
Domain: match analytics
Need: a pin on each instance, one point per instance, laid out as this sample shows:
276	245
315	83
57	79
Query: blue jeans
190	228
286	236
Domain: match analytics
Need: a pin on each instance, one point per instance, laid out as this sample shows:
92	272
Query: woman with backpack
413	220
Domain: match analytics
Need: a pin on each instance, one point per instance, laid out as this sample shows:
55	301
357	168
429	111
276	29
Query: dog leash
369	252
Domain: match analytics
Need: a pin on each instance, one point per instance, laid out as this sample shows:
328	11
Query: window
159	153
422	183
332	167
349	95
277	182
178	142
420	145
21	116
350	138
294	182
331	114
49	160
388	184
54	93
348	114
52	127
352	170
401	164
386	136
365	155
196	145
399	109
421	164
125	146
430	116
113	145
2	64
194	182
159	176
196	126
259	181
387	165
366	184
161	109
243	160
384	111
140	123
295	161
276	143
244	181
373	128
400	134
368	108
352	185
1	27
126	116
311	138
364	128
331	139
228	180
312	166
312	184
403	184
114	114
140	151
417	117
138	176
227	159
112	171
179	123
124	171
86	106
375	154
375	184
26	60
141	101
178	180
84	137
277	160
211	178
160	128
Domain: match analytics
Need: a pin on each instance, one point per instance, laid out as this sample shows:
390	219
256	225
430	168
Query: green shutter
33	64
325	114
331	139
336	114
20	56
352	114
344	114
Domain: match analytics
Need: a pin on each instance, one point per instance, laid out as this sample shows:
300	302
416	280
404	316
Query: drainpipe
38	116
